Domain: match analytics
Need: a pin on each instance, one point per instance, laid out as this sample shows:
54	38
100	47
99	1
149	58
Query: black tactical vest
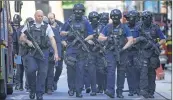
39	35
119	33
79	26
151	32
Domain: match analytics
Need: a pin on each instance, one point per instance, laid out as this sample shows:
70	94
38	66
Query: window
42	5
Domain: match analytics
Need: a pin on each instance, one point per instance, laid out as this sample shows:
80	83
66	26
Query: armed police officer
104	19
131	71
148	53
116	35
94	61
19	76
36	36
22	51
76	50
101	68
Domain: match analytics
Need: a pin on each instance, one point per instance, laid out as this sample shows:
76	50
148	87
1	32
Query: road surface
61	92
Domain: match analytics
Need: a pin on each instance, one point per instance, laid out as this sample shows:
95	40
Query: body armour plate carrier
151	32
119	34
79	26
39	34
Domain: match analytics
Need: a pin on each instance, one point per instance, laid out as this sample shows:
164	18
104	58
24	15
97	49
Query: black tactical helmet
79	6
132	13
147	18
104	18
146	14
93	14
115	13
104	15
17	19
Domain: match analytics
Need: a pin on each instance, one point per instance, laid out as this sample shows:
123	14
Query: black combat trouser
19	74
153	65
58	70
90	72
101	72
50	76
36	81
121	71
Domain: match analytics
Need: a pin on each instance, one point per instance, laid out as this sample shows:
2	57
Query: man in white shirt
41	32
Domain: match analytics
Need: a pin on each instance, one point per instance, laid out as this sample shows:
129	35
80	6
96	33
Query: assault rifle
116	48
79	38
151	42
98	44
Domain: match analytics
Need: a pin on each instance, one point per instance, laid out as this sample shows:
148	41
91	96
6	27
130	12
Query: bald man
41	32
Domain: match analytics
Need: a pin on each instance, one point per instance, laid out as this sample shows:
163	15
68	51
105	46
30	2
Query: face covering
116	20
105	21
131	21
147	21
94	20
78	14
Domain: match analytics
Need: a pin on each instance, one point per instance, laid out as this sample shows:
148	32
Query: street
163	89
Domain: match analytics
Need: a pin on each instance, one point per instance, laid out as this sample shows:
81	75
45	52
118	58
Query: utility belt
76	44
112	48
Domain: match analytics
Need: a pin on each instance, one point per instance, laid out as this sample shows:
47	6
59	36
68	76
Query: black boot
31	95
88	90
70	92
130	93
137	92
39	96
93	94
79	94
21	87
144	93
109	94
150	96
49	91
119	94
17	87
55	85
28	90
99	90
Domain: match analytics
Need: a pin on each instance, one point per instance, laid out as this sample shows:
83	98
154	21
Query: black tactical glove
148	45
96	36
109	38
141	38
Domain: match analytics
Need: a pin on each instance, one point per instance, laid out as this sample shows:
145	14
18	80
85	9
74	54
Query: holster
71	61
154	62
